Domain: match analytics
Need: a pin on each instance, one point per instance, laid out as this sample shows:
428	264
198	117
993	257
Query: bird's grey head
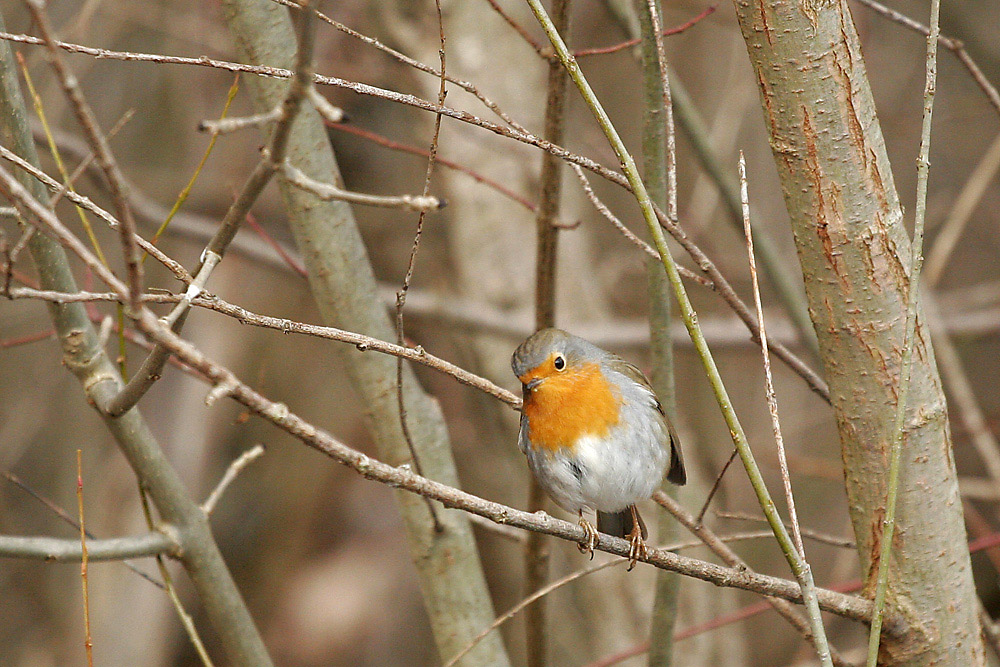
544	344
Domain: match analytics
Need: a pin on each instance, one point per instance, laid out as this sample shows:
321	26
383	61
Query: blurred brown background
318	552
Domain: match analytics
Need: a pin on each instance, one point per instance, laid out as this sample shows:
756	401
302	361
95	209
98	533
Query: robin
594	433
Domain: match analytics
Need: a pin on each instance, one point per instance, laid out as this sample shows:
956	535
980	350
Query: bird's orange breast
569	405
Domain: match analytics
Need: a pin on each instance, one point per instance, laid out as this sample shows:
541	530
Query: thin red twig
269	240
603	50
423	152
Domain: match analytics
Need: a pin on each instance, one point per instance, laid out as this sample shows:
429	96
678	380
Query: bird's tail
619	524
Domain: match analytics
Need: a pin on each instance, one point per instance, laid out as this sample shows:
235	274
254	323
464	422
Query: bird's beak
532	383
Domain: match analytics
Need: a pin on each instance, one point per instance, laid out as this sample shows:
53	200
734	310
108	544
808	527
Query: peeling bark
854	252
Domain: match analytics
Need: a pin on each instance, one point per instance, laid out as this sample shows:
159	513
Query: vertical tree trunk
343	284
854	252
654	162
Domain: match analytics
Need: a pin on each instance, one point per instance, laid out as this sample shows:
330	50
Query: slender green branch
916	260
688	314
168	586
88	642
782	277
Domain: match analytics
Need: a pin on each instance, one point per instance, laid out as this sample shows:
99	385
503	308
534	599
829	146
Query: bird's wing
676	473
522	435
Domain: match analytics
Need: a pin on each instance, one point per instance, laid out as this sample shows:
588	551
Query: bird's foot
590	537
637	549
637	544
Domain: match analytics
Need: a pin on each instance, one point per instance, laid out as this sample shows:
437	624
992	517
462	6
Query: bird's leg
590	539
637	545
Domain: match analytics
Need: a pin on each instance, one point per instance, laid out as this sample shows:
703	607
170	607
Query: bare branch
99	144
84	202
55	550
328	192
273	155
232	472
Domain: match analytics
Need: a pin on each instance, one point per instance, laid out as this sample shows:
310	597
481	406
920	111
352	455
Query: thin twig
88	642
421	203
98	142
331	114
230	125
668	107
186	190
603	50
422	152
56	156
629	235
535	45
772	399
411	264
804	572
715	487
903	392
232	472
953	45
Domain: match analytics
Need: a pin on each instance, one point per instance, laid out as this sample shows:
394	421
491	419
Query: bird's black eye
559	362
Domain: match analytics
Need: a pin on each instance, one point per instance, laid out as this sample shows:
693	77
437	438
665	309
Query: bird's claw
590	537
637	547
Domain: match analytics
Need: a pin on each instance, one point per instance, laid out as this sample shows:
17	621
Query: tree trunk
343	284
854	252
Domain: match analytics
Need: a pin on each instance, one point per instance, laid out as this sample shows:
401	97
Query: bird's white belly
606	474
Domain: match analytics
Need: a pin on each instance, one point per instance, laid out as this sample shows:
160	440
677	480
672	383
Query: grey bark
343	284
854	252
